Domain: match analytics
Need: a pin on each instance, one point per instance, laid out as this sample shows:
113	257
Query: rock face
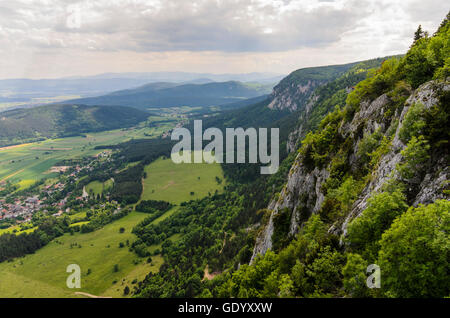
302	193
299	133
294	91
294	96
431	187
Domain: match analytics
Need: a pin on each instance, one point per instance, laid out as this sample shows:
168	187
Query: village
20	208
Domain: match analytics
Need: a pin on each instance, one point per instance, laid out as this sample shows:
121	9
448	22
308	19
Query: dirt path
171	183
208	275
90	295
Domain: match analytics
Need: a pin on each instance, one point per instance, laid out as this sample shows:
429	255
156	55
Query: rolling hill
20	125
170	95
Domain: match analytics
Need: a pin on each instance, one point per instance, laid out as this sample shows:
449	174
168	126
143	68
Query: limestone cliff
294	91
293	97
303	193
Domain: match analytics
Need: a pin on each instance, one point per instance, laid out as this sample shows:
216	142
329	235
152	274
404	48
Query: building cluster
21	207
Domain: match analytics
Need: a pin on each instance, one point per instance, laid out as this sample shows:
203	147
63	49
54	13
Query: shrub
414	157
365	231
354	276
413	122
367	145
346	193
415	251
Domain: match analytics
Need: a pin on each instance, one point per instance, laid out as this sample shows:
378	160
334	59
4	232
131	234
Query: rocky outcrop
432	186
299	132
291	144
293	97
302	194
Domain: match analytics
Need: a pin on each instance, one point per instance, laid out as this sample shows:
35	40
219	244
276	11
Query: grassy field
18	230
79	215
175	182
97	187
43	274
26	163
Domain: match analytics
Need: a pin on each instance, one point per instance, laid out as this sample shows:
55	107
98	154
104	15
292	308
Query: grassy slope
98	187
43	274
16	227
174	182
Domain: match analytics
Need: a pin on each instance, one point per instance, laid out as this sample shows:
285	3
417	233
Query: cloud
49	38
174	25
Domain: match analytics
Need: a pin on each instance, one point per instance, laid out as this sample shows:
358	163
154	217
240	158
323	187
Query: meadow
43	274
176	183
16	230
97	187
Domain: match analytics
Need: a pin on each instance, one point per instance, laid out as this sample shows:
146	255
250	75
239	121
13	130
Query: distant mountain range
184	77
23	90
165	94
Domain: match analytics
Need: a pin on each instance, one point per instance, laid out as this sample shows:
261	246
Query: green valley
27	163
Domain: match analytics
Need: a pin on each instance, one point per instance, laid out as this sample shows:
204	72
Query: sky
59	38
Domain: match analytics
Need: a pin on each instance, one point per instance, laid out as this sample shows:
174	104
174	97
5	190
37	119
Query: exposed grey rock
291	144
295	97
302	192
299	132
433	185
427	94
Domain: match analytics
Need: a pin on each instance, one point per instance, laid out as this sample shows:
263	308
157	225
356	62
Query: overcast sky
56	38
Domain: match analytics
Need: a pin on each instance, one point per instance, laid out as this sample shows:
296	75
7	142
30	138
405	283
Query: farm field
43	274
97	187
175	182
24	164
